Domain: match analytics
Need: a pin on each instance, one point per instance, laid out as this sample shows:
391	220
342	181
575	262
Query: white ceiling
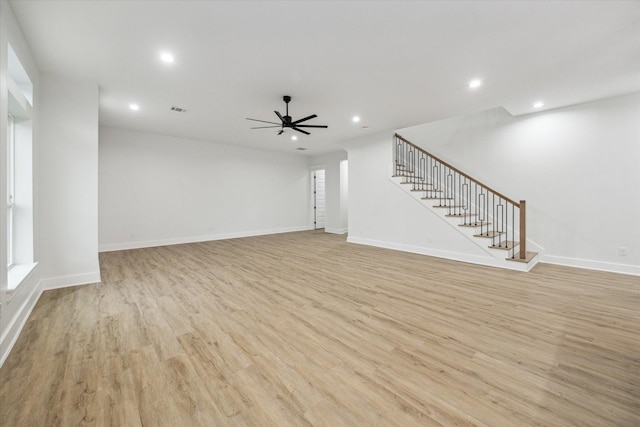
396	63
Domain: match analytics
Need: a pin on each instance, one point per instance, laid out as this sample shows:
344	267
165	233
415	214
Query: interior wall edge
487	261
587	264
70	280
110	247
16	324
335	230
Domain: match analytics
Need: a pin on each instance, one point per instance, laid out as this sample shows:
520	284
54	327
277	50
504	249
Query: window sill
17	276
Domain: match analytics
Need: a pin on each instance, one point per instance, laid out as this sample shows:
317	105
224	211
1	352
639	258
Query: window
11	149
18	179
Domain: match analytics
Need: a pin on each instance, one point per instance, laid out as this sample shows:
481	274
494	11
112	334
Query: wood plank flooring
305	329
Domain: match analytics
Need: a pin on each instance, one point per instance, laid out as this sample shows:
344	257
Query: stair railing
477	205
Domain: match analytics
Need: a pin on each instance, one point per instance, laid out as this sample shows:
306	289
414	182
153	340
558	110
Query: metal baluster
513	231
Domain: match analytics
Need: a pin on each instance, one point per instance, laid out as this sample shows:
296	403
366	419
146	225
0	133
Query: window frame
11	168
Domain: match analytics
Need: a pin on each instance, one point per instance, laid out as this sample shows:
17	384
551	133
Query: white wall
15	305
344	195
577	168
336	180
69	182
157	190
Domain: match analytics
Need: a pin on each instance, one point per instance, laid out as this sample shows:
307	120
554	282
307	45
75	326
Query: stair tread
460	215
445	206
505	245
474	224
489	234
527	258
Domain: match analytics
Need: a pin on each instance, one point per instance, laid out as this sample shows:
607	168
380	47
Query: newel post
523	229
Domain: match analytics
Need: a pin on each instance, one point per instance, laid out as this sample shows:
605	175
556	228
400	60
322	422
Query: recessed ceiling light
475	83
355	119
538	104
294	138
134	107
167	57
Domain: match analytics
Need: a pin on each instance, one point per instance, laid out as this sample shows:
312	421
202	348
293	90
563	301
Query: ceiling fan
287	122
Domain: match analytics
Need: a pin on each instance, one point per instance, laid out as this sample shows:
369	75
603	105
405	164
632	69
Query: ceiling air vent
178	109
301	149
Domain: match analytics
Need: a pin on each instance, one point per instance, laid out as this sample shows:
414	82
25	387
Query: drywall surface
577	168
16	304
158	190
69	181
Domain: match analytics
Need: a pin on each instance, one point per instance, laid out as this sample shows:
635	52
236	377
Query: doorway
319	208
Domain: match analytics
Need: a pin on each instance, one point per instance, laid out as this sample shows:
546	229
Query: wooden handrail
458	171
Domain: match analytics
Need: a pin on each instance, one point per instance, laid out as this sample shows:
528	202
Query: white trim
14	326
68	281
454	256
321	166
336	230
17	275
195	239
610	267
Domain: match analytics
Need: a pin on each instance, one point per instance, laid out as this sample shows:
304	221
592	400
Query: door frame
312	174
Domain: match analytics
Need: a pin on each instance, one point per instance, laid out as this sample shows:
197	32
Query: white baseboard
109	247
14	326
592	265
335	230
454	256
67	281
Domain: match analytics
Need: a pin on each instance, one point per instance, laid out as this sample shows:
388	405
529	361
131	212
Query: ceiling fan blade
263	121
279	116
313	116
264	127
313	126
300	130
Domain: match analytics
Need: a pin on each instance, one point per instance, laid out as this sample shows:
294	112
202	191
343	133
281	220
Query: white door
318	199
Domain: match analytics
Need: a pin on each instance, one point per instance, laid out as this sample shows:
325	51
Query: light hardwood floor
306	329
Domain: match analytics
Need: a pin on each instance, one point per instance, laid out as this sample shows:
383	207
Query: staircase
493	221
